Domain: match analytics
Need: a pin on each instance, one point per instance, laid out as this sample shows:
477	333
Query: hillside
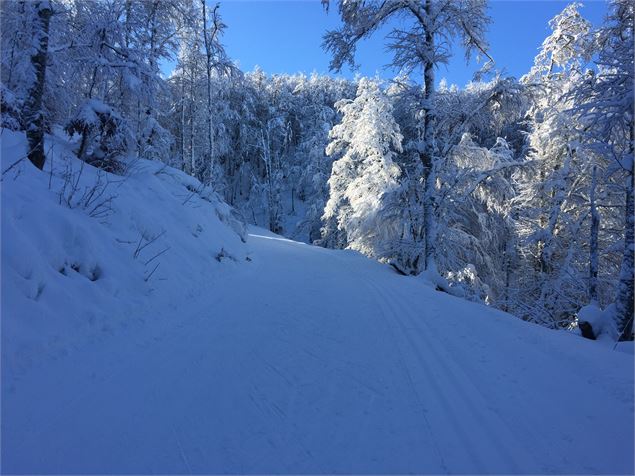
268	355
86	253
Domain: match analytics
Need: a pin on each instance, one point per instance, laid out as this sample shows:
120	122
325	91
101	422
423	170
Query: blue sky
286	36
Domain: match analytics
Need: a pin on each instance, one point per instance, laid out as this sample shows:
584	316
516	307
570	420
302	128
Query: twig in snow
157	255
147	278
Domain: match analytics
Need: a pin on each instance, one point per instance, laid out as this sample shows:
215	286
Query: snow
626	347
69	278
286	358
602	321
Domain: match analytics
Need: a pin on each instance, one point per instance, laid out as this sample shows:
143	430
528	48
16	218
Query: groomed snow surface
269	356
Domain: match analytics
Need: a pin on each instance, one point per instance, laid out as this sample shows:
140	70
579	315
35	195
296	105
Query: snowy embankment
86	253
296	360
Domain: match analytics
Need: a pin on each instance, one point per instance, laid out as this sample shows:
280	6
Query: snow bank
86	254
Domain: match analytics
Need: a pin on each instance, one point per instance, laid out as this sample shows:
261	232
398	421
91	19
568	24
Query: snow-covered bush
595	323
103	135
466	283
155	141
10	108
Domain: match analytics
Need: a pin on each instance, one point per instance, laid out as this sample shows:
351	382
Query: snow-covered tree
475	218
364	178
424	45
39	19
216	63
605	110
552	206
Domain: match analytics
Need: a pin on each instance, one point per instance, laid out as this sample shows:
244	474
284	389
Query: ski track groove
181	451
412	386
468	369
437	395
539	399
444	359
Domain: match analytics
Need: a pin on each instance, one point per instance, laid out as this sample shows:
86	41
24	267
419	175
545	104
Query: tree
475	221
34	114
216	61
605	110
186	79
556	187
425	45
364	178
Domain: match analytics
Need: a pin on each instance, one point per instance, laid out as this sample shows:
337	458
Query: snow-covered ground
86	253
283	358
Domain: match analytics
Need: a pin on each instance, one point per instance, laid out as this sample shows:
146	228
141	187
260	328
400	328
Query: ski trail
529	417
411	384
475	410
430	390
316	361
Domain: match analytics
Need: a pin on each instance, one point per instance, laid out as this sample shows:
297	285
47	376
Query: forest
207	268
512	192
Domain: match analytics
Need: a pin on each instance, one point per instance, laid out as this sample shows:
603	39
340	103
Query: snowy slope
298	360
80	249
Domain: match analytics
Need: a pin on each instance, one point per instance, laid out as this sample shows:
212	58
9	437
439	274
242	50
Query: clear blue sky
286	36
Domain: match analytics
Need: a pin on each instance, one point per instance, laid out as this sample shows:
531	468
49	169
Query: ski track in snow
315	361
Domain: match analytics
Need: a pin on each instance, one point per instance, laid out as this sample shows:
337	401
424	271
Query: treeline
517	193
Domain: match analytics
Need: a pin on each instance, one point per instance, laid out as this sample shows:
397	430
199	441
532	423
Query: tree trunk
192	112
33	107
208	67
507	254
624	302
593	240
183	147
427	157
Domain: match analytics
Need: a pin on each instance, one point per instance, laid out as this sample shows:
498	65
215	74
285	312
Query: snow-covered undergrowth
86	253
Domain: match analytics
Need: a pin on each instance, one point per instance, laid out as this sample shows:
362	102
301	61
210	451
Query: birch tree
216	62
